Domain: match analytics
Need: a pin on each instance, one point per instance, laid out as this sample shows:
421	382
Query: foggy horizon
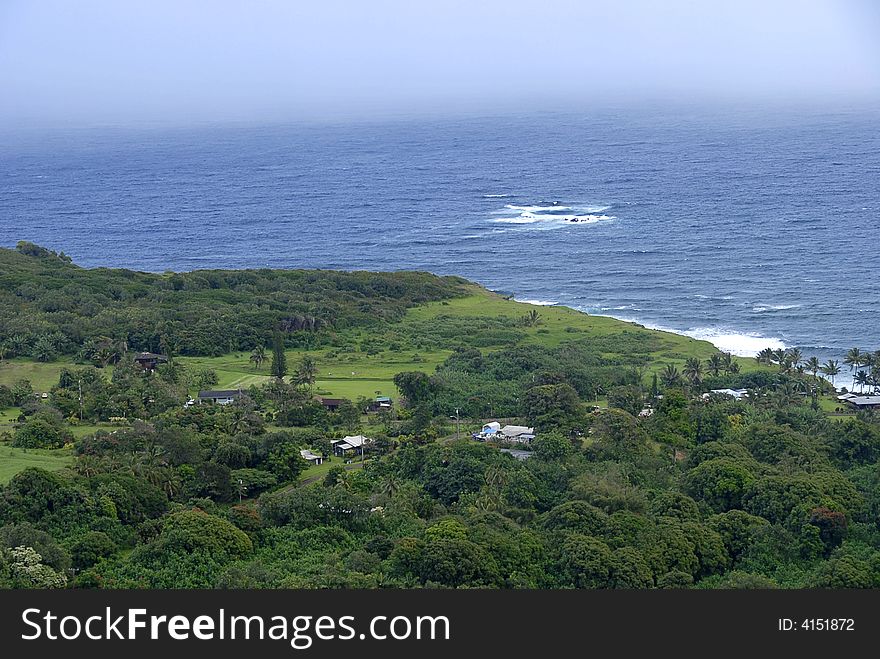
100	62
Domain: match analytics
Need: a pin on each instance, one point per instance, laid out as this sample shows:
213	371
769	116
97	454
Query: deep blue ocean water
748	228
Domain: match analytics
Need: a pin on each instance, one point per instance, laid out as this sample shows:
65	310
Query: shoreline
739	344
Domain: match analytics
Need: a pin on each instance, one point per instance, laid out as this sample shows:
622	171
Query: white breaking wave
495	196
763	308
740	344
550	216
528	218
539	303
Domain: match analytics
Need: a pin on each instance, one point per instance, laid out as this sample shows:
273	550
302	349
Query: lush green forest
636	478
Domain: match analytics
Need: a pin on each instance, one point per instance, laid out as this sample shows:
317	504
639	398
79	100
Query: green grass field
14	460
354	374
42	376
350	375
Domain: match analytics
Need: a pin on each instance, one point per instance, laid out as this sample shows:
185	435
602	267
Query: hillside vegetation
637	477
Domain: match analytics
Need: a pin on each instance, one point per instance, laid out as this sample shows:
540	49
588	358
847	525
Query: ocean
746	227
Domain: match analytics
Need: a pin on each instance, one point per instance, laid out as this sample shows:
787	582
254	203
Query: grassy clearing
353	374
14	460
561	324
42	376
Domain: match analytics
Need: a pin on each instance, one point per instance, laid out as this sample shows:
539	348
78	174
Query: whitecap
764	308
742	344
539	303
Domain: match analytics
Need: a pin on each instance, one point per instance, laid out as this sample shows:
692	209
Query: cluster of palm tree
151	464
865	366
695	371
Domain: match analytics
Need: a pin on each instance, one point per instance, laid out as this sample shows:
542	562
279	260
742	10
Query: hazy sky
192	60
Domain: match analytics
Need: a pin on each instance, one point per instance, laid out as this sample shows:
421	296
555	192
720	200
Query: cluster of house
737	394
493	431
227	396
347	446
378	404
860	402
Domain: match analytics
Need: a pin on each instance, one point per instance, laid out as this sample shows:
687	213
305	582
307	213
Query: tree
729	363
693	371
670	376
766	356
715	365
278	368
813	366
306	372
854	359
720	482
258	357
415	386
627	398
794	357
831	368
552	405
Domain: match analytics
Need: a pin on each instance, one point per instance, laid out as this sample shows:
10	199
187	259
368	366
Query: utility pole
80	382
457	425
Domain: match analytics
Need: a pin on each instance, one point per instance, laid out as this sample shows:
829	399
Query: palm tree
258	356
766	356
307	372
779	357
831	368
532	318
854	359
863	380
794	357
693	371
728	363
714	364
390	485
813	365
670	376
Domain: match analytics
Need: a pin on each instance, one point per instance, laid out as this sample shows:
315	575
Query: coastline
738	343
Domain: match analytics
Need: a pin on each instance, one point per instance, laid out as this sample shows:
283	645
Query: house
864	402
380	403
331	404
522	434
314	458
737	394
487	431
220	396
150	360
356	444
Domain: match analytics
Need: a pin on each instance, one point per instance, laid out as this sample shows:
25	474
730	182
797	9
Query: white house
220	396
522	434
314	458
354	443
737	394
864	402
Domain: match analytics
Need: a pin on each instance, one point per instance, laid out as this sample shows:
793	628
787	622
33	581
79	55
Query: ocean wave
554	219
539	303
764	308
551	215
495	196
742	344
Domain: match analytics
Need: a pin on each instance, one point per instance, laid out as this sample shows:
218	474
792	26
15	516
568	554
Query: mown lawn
14	460
42	376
